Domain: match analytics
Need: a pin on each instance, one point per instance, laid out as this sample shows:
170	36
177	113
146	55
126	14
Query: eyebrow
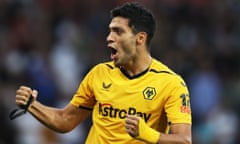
116	28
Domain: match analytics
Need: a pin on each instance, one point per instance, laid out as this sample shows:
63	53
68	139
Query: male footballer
133	99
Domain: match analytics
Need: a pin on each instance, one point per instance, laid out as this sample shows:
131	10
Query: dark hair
140	18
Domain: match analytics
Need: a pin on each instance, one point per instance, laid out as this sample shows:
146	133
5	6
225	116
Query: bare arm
180	134
59	120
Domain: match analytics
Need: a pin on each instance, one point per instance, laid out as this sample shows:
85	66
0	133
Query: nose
110	37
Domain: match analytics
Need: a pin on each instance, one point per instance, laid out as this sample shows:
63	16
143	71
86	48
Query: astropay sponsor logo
107	110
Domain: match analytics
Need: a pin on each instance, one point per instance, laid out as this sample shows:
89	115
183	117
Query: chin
116	63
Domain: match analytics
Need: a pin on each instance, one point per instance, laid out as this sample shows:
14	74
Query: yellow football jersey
157	95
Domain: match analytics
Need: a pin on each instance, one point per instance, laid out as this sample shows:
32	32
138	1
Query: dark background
50	44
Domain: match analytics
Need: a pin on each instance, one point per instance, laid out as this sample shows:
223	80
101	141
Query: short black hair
140	18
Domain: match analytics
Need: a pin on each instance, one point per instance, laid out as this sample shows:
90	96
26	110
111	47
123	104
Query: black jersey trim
110	66
86	108
135	76
155	71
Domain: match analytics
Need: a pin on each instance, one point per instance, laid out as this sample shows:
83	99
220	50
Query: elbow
61	125
62	129
59	129
188	140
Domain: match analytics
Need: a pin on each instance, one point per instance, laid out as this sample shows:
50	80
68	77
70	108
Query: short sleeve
84	96
177	106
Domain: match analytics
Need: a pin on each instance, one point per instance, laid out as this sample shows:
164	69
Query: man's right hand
23	94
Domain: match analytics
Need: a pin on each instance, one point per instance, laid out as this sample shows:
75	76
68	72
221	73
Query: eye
118	30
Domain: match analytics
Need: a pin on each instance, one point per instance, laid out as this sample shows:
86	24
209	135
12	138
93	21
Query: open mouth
113	51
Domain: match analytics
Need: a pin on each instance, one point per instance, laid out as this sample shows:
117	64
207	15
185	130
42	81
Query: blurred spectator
51	44
205	86
67	62
219	127
64	60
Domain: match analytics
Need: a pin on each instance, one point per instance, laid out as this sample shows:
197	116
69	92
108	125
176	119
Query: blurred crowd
49	45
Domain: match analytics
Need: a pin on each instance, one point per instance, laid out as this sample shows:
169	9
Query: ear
141	38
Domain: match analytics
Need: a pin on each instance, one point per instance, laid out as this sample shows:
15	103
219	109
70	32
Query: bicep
74	115
184	129
179	133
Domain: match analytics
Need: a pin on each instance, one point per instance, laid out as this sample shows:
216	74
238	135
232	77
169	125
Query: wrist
147	133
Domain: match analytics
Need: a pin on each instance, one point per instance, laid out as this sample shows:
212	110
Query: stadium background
50	44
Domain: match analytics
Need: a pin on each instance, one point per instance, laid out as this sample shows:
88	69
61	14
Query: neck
138	66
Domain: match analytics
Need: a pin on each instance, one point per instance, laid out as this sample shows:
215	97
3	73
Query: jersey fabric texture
159	96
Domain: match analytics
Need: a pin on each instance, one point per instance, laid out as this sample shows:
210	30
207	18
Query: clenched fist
131	125
23	96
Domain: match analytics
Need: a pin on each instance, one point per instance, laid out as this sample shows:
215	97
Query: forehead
119	22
